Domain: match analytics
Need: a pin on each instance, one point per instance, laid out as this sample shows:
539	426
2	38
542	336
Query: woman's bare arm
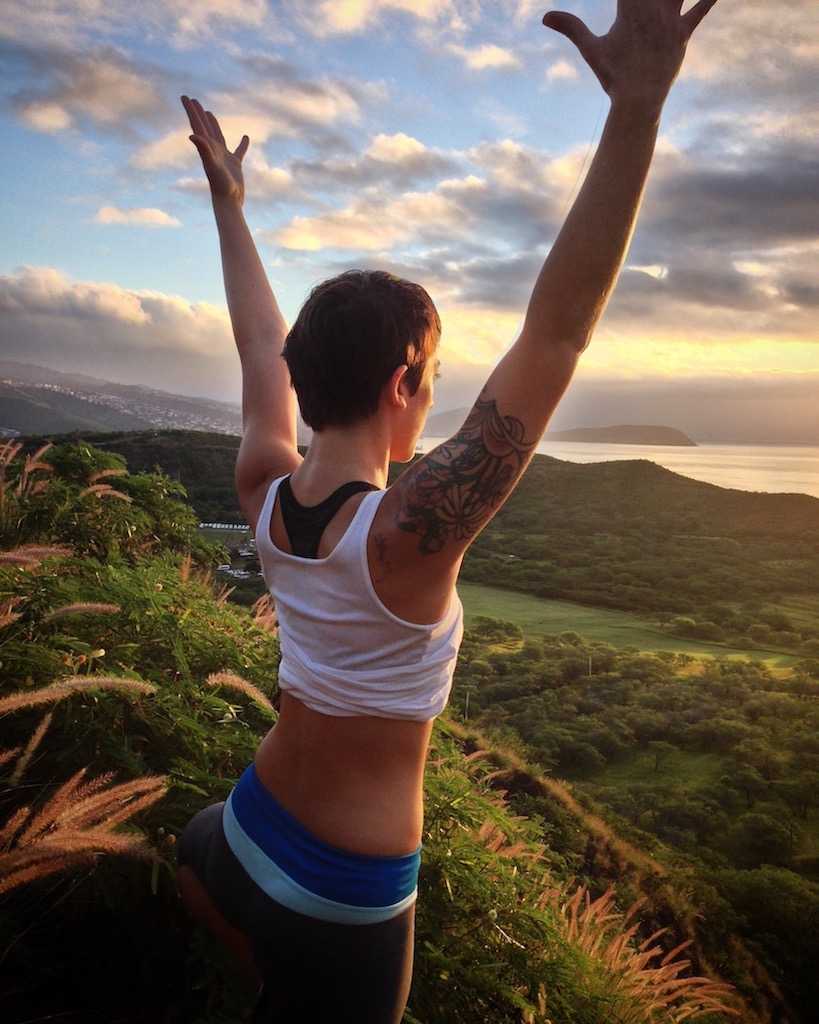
443	500
268	445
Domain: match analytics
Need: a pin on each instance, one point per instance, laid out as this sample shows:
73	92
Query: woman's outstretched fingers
195	118
214	124
203	119
583	38
693	17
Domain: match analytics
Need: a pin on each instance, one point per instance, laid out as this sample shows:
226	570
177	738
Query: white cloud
100	328
394	148
267	182
45	117
148	216
178	22
560	70
480	58
103	87
344	17
372	223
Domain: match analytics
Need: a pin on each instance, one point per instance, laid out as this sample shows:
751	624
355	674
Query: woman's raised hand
641	54
222	167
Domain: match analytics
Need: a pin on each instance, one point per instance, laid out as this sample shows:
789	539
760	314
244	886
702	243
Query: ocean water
790	469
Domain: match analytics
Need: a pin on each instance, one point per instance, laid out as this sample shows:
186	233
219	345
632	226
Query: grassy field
228	537
538	616
802	609
689	768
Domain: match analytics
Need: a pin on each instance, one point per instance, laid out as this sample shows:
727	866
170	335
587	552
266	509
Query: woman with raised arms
309	870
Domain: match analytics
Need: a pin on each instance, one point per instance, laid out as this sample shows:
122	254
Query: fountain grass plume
644	980
78	607
235	682
105	490
31	746
9	755
75	825
7	613
263	610
64	688
33	554
106	472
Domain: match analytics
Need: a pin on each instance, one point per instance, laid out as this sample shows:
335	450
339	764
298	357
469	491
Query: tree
757	839
660	751
747	781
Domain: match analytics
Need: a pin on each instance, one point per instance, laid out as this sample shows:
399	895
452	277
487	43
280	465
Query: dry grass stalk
17	557
12	826
9	755
494	840
645	980
31	465
242	685
68	687
46	550
223	594
7	613
91	810
45	867
73	840
185	567
31	746
8	453
475	755
33	554
59	802
34	465
74	825
105	490
41	451
105	472
81	606
264	613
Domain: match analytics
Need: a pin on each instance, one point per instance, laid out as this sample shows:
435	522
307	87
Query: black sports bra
305	524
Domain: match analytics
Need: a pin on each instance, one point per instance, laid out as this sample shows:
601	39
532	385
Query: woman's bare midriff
356	783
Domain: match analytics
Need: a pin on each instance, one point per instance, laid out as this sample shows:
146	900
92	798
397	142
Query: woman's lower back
356	783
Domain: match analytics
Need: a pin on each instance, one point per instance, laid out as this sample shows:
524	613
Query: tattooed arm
442	501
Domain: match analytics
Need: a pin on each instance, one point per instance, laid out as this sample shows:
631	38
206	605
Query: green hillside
698	562
134	694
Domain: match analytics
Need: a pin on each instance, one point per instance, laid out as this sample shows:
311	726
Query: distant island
623	434
444	424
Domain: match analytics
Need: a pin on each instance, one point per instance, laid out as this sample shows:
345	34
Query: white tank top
343	652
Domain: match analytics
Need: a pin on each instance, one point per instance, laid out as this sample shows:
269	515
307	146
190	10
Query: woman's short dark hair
352	332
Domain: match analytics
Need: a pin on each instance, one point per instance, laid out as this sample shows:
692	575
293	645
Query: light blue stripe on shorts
280	887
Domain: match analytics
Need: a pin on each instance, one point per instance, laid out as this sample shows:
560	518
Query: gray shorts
313	970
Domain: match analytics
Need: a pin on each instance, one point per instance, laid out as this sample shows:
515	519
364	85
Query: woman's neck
337	455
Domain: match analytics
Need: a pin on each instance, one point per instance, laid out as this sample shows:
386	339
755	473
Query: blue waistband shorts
332	931
306	874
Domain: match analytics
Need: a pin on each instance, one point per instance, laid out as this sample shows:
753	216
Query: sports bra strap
305	524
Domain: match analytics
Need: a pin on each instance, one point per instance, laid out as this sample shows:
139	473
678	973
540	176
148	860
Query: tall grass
498	938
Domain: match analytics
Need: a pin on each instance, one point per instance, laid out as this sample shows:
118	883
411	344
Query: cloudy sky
443	140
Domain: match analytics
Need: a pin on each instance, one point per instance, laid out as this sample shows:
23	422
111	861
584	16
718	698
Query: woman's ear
397	387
